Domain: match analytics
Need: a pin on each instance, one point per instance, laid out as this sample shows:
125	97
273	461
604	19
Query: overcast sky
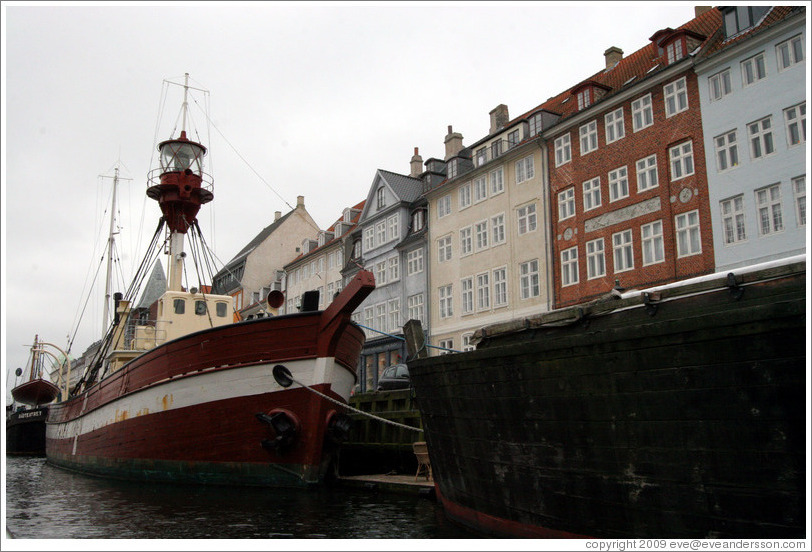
306	99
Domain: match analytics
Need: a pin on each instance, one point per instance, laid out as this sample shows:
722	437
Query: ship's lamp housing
181	155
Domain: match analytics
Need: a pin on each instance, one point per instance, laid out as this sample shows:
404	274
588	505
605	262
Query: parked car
394	377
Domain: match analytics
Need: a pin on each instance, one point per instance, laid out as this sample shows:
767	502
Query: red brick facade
676	197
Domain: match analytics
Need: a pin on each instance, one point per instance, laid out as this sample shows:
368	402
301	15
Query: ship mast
110	244
180	187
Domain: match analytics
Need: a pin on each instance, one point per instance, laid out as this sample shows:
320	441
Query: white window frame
379	272
688	233
498	232
393	313
769	209
760	134
380	232
415	307
529	283
393	268
584	98
733	223
481	235
647	177
675	51
414	262
623	250
727	151
754	67
799	191
675	96
651	243
569	266
393	225
369	241
525	169
614	125
682	160
526	218
445	302
444	251
595	259
465	196
466	241
566	203
588	134
719	85
592	193
795	119
483	291
618	184
642	113
480	188
467	295
500	291
443	206
563	150
497	180
790	52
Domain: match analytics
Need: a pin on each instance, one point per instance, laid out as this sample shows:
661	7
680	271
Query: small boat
191	396
672	412
25	420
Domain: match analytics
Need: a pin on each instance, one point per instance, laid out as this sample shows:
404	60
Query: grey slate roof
405	187
156	286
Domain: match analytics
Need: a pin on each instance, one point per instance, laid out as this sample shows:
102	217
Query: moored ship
190	395
673	412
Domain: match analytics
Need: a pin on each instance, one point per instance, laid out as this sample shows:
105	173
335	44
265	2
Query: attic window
381	196
584	98
675	50
740	18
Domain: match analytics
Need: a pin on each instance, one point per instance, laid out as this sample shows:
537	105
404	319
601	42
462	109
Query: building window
589	137
369	321
651	238
500	287
790	52
466	342
566	204
443	206
481	156
380	317
414	262
444	249
624	253
393	310
447	346
761	138
467	295
529	279
647	173
675	51
393	222
569	266
418	220
415	307
465	195
524	169
380	273
563	152
642	114
595	261
480	188
682	160
768	206
466	241
380	232
451	168
535	124
795	117
527	218
369	239
481	235
676	97
584	98
483	291
688	235
727	151
496	149
614	125
498	229
719	85
733	219
381	196
592	193
513	138
497	181
618	184
445	303
753	69
740	18
394	268
799	188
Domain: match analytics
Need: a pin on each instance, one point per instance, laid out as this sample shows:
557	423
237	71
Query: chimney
499	118
613	55
277	215
699	10
416	164
300	202
453	143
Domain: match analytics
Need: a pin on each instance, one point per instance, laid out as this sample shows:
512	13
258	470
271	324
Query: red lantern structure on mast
180	187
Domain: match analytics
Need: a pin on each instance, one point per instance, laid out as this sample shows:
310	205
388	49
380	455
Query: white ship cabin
178	313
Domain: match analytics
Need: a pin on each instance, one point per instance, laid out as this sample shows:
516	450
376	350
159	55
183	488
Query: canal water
45	502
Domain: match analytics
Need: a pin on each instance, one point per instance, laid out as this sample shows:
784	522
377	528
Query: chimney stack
699	10
613	55
416	164
453	143
300	202
499	118
277	215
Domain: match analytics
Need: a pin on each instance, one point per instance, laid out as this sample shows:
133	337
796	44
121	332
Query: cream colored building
488	231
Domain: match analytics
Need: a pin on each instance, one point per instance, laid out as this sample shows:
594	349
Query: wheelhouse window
200	308
179	306
222	309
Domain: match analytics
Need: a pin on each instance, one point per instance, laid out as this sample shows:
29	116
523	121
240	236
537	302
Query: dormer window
535	125
418	220
584	98
740	18
675	50
452	167
381	197
481	156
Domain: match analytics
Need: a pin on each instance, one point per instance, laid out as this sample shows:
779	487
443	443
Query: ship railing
206	182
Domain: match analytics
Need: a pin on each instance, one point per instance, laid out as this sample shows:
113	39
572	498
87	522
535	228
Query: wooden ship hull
205	408
35	392
678	412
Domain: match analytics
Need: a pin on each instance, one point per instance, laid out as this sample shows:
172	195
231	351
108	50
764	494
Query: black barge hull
674	414
25	432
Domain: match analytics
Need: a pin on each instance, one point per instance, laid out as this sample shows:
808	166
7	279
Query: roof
407	188
254	243
156	286
359	207
776	15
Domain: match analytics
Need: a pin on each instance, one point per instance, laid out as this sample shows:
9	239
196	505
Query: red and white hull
197	409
